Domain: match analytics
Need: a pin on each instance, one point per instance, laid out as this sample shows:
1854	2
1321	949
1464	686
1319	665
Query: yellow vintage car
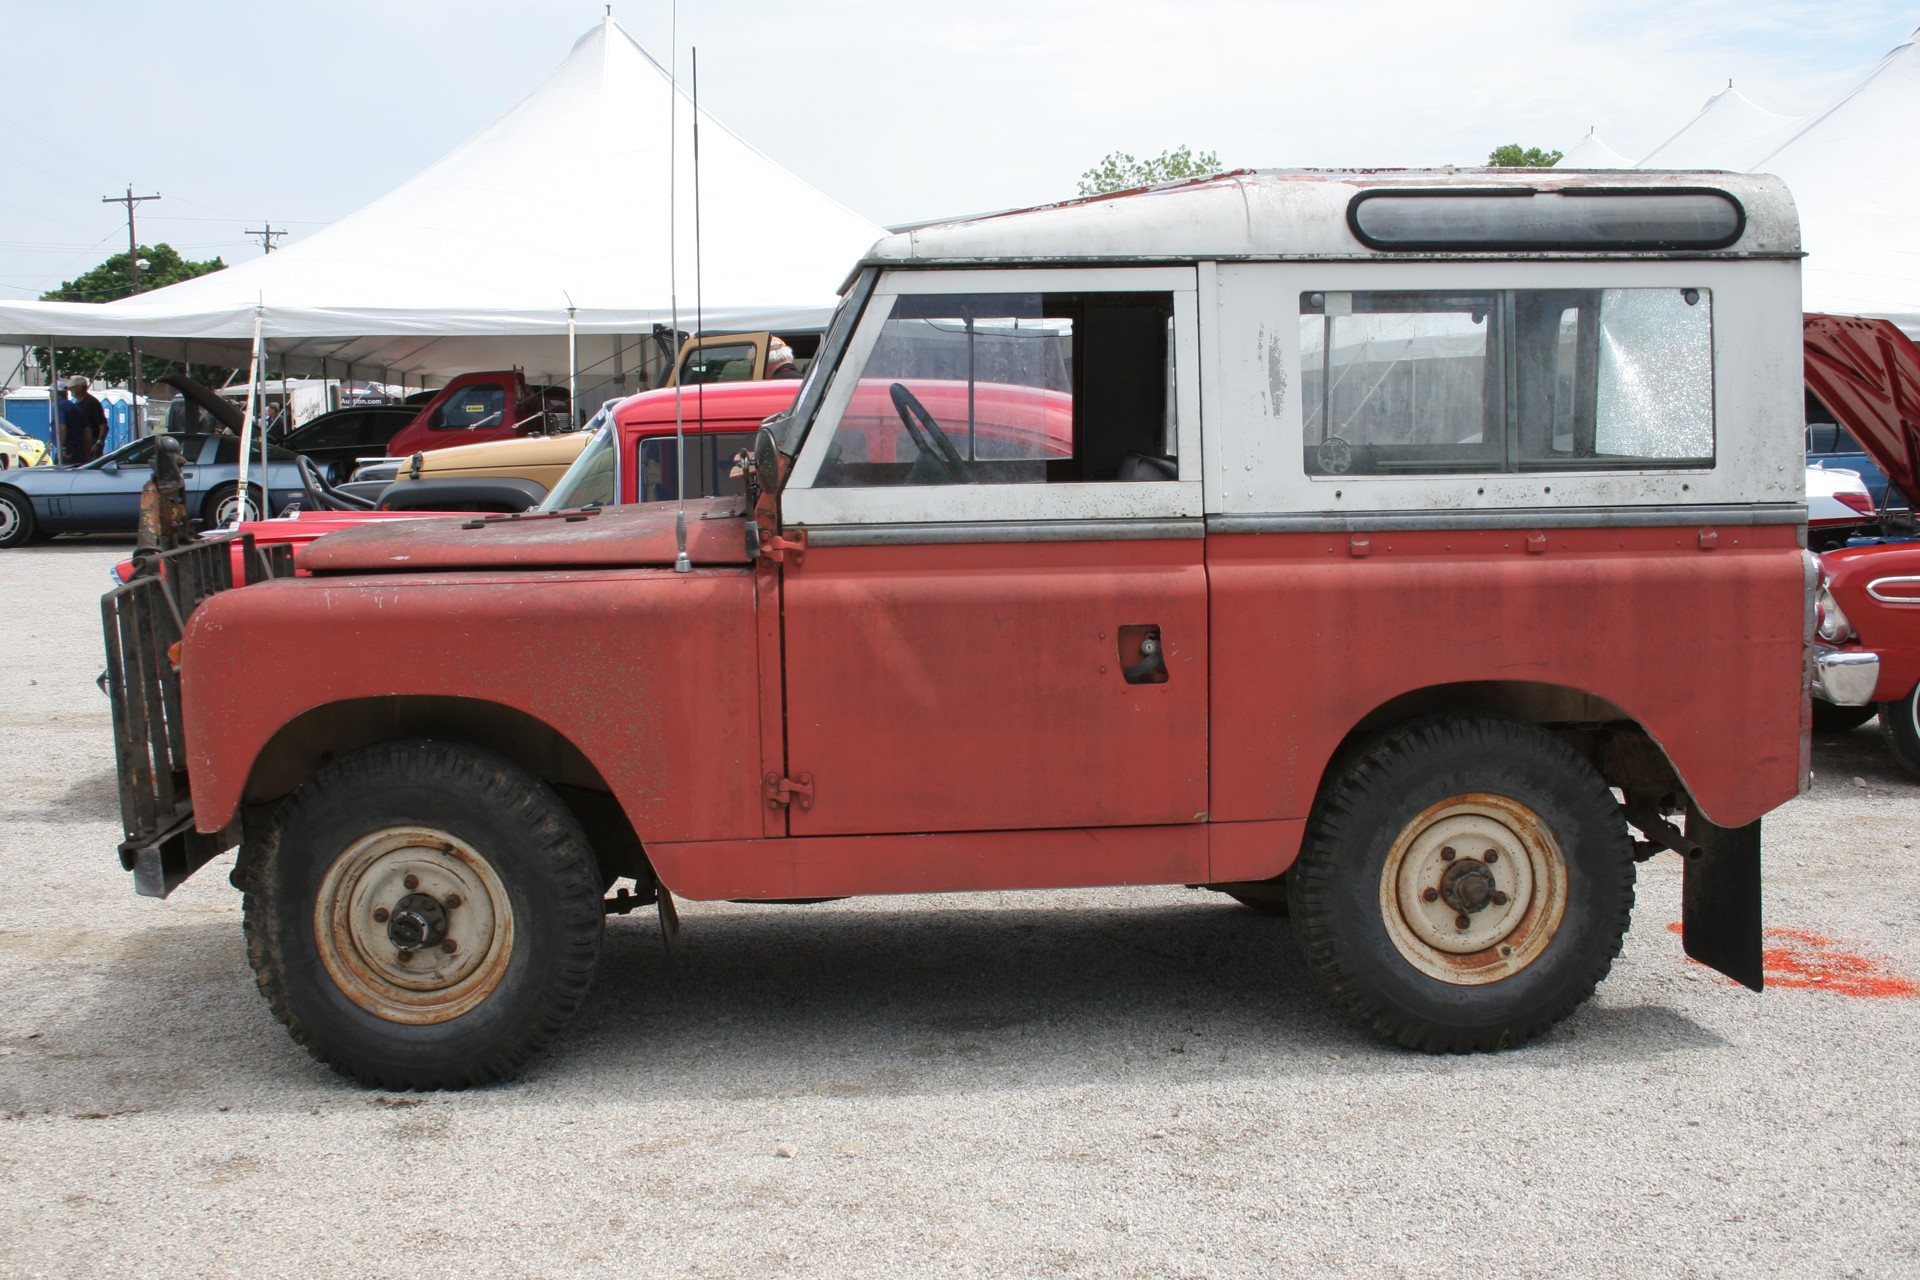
18	449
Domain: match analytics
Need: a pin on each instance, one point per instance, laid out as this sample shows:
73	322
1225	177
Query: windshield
789	427
593	477
8	429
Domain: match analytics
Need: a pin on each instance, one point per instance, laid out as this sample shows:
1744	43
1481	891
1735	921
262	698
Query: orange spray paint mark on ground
1797	958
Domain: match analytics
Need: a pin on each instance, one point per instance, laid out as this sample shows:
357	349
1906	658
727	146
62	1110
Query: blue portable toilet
29	409
123	417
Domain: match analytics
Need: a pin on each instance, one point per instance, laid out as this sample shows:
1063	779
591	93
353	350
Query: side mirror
110	466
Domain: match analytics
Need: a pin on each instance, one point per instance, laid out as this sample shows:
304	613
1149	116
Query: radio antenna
699	309
681	562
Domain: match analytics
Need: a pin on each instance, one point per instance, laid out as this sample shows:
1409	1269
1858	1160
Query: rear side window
1428	382
709	465
732	363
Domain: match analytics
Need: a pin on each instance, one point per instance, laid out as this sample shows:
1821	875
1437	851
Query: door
106	494
1000	620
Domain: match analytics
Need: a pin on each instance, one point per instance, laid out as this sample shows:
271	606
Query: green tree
110	280
1515	156
1122	172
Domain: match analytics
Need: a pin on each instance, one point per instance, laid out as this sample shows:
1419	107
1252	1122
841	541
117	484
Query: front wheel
1465	885
16	518
423	916
1900	725
224	506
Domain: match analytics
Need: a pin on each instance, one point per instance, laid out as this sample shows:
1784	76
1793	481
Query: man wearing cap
780	359
83	423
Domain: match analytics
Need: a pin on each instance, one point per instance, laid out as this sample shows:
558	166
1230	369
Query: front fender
650	674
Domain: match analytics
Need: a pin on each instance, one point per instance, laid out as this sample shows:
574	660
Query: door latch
782	792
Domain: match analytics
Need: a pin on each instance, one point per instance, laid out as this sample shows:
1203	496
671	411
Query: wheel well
317	737
1604	733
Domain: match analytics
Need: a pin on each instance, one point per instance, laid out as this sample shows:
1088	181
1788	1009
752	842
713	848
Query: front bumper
1844	677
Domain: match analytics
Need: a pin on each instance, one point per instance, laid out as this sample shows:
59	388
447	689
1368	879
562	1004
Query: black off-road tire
1831	718
1900	726
543	873
16	520
1394	796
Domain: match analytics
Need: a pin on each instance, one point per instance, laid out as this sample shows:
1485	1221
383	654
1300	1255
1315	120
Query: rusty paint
1808	961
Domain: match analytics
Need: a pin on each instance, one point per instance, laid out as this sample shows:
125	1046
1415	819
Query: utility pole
133	278
267	236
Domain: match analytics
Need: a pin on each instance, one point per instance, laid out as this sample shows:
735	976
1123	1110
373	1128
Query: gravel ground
1098	1083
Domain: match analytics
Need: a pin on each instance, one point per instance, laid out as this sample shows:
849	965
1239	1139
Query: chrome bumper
1844	677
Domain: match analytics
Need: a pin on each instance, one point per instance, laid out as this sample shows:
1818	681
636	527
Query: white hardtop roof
1285	213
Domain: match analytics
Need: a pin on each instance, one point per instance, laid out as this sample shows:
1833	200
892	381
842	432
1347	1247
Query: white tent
477	261
1854	170
1729	132
1591	153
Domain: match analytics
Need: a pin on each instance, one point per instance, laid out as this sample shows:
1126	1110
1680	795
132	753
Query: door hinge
786	791
777	548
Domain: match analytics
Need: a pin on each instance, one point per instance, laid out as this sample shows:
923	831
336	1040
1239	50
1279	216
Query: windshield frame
791	427
607	437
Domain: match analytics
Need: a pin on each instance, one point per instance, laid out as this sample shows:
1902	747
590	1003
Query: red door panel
984	687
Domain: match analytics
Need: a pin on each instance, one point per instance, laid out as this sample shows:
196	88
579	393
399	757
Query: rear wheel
423	916
223	506
1900	725
16	518
1465	885
1829	718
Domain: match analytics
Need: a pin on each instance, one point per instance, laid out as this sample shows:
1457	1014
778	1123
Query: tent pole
55	436
246	422
573	369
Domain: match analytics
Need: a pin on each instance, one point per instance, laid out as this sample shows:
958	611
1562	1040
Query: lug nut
1431	895
1499	898
1446	854
1462	923
404	955
380	915
412	881
450	946
453	900
1493	855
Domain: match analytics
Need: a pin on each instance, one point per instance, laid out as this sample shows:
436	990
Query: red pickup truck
495	405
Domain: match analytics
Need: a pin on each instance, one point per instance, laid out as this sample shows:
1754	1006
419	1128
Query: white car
1839	506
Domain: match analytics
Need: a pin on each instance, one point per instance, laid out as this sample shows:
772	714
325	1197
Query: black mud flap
1720	900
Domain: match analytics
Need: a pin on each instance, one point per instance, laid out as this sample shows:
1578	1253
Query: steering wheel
928	438
321	494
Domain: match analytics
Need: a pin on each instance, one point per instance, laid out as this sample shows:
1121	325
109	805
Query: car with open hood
1868	373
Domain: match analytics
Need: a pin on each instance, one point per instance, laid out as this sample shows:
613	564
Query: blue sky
300	112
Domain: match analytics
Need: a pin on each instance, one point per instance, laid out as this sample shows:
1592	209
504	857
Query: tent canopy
475	261
1852	172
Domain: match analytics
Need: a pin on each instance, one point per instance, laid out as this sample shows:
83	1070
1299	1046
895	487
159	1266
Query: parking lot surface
1093	1083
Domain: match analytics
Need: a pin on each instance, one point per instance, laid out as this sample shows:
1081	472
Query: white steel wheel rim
354	923
231	507
1473	890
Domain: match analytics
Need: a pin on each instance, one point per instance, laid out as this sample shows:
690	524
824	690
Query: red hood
614	537
1868	373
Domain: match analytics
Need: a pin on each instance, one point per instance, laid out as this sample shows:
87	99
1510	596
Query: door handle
1142	655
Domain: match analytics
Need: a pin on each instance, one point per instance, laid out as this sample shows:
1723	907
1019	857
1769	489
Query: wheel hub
420	920
1468	886
1473	889
413	925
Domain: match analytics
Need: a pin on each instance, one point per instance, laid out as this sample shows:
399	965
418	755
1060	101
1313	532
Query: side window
709	465
1011	388
1427	382
730	363
477	406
